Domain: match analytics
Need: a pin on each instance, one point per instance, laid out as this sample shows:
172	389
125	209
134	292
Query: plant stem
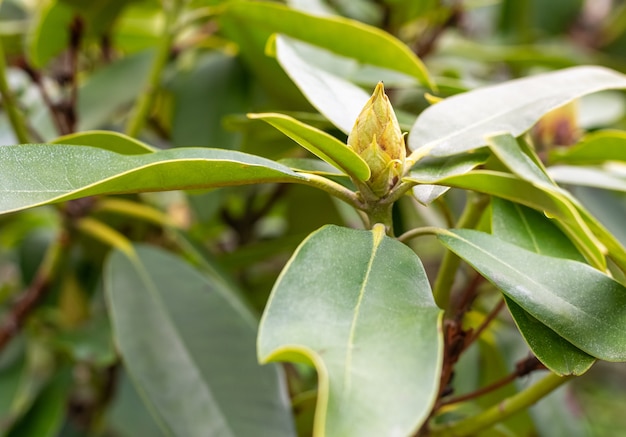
15	116
502	410
142	108
418	232
474	208
332	188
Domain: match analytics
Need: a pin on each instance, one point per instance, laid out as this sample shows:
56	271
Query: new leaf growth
377	138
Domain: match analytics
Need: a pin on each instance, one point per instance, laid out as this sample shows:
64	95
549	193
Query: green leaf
338	99
432	169
189	348
594	148
50	33
578	302
357	305
108	140
571	218
460	123
588	177
127	415
32	175
531	230
319	143
112	88
345	37
507	149
200	105
45	417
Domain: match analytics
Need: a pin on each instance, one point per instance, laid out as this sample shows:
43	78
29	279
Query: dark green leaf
189	347
578	302
32	175
531	230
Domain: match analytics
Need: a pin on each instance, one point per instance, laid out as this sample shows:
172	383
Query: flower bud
377	138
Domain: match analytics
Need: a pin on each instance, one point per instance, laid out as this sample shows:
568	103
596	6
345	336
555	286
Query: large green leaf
578	302
32	175
357	305
188	346
319	143
349	38
461	122
533	231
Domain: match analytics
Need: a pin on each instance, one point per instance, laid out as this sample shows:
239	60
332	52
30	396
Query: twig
522	368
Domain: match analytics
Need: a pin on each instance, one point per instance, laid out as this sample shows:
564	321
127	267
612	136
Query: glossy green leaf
512	188
460	123
349	38
336	98
319	143
108	140
432	169
578	302
594	148
32	175
189	348
531	230
348	301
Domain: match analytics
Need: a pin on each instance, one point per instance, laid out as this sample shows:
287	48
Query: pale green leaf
358	306
589	177
338	99
319	143
190	350
578	302
32	175
460	123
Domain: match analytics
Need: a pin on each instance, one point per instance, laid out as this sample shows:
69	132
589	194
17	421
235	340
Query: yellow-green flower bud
377	138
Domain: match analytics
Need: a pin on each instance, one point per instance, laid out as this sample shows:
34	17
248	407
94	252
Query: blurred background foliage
75	66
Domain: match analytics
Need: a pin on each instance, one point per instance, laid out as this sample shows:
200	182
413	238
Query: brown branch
34	293
522	368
